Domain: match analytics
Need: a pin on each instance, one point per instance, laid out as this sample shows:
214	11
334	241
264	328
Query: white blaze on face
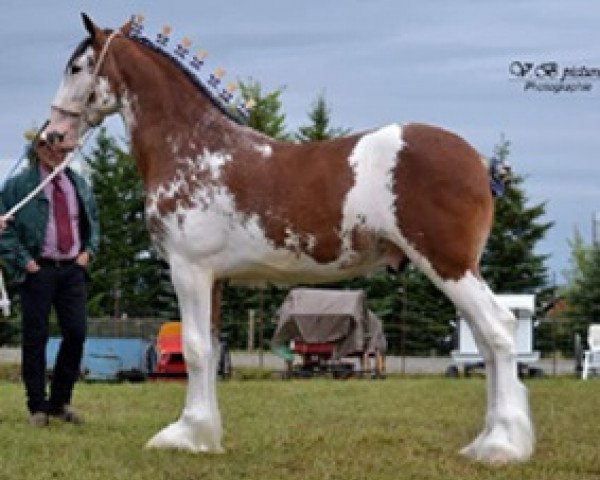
76	84
370	202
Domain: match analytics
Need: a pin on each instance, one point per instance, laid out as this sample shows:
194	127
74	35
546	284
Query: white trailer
467	355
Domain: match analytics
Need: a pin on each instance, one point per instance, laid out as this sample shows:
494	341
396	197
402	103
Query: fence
412	336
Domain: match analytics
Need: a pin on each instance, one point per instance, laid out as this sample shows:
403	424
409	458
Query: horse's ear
126	27
90	26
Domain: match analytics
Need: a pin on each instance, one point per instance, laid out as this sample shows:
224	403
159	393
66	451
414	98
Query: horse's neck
172	120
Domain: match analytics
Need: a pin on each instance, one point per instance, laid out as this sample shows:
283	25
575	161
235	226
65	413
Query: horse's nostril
55	137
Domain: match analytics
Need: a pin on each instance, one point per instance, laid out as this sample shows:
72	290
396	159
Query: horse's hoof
493	454
183	436
501	445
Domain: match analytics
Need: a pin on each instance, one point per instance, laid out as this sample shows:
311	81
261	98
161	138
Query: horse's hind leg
508	433
198	429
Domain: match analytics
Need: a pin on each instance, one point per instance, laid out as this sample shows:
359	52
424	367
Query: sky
463	65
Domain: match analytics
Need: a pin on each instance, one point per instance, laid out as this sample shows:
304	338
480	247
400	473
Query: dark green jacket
24	236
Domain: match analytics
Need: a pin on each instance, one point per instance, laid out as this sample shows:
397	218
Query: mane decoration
500	173
222	97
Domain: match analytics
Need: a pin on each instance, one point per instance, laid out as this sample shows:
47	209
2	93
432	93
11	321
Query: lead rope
4	299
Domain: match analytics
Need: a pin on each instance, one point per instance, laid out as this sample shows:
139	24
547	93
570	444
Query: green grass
399	428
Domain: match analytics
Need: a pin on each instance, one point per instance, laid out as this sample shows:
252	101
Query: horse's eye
75	69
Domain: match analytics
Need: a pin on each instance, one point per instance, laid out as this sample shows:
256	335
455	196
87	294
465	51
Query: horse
225	202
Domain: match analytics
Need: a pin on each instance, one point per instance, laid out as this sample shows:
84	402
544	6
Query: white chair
4	300
591	357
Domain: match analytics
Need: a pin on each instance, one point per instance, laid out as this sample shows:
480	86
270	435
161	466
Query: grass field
399	428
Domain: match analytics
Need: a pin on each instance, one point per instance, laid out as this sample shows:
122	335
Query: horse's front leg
198	429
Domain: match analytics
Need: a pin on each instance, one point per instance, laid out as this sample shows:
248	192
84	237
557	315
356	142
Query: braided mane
195	80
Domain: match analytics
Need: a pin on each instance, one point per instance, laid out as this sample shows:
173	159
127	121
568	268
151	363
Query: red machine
170	362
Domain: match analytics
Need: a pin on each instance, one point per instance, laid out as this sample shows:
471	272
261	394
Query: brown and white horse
226	202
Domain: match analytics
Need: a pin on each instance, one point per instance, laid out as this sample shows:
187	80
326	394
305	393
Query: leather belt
50	262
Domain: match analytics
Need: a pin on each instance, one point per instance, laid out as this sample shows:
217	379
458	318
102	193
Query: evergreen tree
509	262
266	116
319	128
127	274
583	288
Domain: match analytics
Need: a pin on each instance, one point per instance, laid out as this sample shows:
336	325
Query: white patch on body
265	150
127	113
230	243
297	242
369	205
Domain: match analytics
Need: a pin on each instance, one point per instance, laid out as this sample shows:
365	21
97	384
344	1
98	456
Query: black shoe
38	419
68	415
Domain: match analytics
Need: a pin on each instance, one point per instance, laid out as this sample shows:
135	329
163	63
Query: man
46	248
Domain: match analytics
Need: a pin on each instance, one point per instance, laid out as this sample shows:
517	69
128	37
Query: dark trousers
61	286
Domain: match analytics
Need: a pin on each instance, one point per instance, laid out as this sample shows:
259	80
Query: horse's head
89	90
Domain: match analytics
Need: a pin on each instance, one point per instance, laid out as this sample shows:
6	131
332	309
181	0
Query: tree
319	128
266	115
509	262
128	275
583	288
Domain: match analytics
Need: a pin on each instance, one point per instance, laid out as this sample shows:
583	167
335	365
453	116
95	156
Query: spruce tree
127	273
266	116
583	288
319	128
510	263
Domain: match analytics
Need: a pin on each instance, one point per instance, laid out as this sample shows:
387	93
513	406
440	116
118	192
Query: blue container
110	359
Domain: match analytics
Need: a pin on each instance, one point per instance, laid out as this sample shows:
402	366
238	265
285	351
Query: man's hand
83	259
4	219
32	266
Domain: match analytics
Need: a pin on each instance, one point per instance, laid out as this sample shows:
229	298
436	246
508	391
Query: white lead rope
10	214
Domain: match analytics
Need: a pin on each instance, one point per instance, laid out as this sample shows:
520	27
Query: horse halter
78	109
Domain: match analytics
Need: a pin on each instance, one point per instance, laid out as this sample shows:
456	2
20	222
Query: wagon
326	330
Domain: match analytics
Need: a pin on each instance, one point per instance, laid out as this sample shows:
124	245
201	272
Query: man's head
49	155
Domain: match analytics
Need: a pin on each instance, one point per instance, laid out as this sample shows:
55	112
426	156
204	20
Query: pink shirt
50	248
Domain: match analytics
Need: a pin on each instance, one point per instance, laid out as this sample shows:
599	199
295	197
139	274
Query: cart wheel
224	369
151	359
535	372
452	371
